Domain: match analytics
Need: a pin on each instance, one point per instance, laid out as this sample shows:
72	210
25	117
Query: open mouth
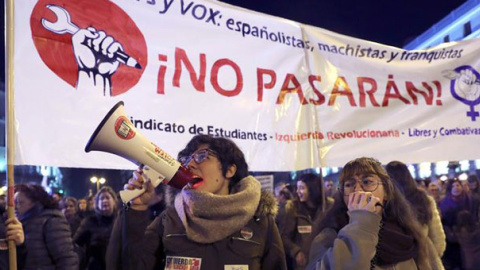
195	183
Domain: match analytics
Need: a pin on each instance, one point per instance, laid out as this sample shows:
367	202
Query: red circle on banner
56	50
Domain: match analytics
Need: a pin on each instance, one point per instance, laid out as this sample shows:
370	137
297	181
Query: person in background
57	197
283	196
94	231
82	204
297	226
48	238
221	221
475	194
434	191
3	204
474	184
421	184
370	226
285	199
443	189
467	232
329	190
157	204
425	209
456	200
278	187
82	209
68	206
466	187
91	205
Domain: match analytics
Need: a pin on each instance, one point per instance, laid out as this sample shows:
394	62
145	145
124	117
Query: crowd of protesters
373	217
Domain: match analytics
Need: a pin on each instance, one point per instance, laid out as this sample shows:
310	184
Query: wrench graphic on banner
64	25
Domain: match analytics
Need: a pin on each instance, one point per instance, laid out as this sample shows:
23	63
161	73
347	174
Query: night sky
387	22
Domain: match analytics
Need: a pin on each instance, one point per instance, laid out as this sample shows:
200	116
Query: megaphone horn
117	135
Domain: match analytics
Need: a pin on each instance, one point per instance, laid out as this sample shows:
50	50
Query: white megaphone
117	135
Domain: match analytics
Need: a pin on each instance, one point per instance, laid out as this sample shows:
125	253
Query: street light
97	181
463	177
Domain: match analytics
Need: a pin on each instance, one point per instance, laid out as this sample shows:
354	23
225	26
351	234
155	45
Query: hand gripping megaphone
117	135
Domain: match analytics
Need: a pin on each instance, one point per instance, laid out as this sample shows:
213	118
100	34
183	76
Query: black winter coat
93	235
48	240
297	228
257	245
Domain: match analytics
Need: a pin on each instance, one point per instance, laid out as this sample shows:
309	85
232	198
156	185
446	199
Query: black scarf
395	245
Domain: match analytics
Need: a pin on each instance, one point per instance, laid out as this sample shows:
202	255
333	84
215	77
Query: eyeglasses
368	183
199	156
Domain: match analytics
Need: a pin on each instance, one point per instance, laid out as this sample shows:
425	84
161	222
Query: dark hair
58	193
449	186
105	189
88	198
403	180
337	217
474	178
286	193
314	186
466	220
227	151
63	203
37	195
396	206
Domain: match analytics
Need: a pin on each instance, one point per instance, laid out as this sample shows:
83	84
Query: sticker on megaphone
117	135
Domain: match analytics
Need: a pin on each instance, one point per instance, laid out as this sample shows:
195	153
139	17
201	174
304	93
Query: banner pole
10	127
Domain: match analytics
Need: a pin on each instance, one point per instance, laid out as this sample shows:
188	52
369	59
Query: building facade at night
462	23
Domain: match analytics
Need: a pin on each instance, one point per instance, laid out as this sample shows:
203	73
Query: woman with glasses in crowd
222	222
297	225
425	209
433	190
370	226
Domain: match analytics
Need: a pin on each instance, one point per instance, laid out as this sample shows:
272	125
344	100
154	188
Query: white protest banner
291	96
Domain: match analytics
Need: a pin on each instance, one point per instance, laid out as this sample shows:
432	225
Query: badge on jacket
3	244
304	229
175	263
236	267
246	233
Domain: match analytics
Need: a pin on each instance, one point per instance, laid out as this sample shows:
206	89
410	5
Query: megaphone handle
151	175
128	195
